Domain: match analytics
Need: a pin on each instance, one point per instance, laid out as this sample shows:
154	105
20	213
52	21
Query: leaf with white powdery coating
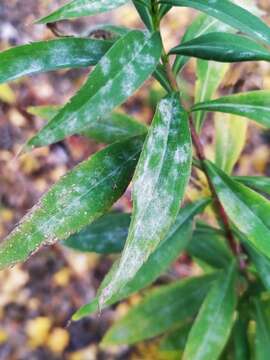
212	327
159	184
157	263
110	128
229	13
78	8
50	55
247	210
79	198
161	310
124	68
259	183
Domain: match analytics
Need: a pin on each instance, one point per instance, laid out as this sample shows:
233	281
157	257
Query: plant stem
234	245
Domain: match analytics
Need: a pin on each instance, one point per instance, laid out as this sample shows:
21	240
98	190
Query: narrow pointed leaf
159	184
161	310
230	14
259	183
110	128
158	262
130	61
106	235
223	47
212	327
254	105
78	8
50	55
208	245
230	140
145	13
247	210
240	338
209	76
202	24
262	340
91	188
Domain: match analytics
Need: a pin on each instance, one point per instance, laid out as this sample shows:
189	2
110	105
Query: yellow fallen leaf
3	336
62	277
38	330
7	94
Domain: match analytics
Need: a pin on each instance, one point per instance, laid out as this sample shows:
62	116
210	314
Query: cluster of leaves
204	317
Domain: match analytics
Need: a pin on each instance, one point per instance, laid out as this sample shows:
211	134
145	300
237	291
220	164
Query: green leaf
130	61
106	235
163	10
161	310
161	76
247	210
175	340
110	128
259	183
223	47
262	340
212	327
78	8
230	14
240	338
145	13
208	244
230	140
254	105
209	76
159	184
202	24
158	262
50	55
79	198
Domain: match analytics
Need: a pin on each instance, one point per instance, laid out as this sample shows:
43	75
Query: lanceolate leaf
110	128
145	13
161	310
209	76
212	327
208	244
106	235
50	55
77	199
158	187
229	13
262	340
260	183
158	262
130	61
223	47
176	340
78	8
254	105
230	140
202	24
247	210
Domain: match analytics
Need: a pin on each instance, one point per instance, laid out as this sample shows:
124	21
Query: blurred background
38	298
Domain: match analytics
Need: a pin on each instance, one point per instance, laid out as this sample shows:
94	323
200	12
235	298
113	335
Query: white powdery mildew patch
129	80
105	64
182	154
93	6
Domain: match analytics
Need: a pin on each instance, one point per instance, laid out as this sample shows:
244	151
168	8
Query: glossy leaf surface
91	189
110	128
160	311
202	24
223	47
159	184
259	183
78	8
254	105
230	14
106	235
247	210
231	134
158	262
130	61
212	327
50	55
